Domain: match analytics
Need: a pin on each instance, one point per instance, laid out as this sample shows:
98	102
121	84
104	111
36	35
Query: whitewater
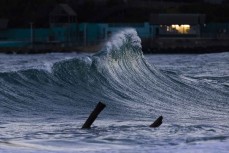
46	98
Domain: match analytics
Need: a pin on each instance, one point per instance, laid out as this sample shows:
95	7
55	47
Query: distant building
177	25
61	15
63	21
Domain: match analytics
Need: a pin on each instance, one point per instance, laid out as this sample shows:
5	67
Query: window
182	29
177	29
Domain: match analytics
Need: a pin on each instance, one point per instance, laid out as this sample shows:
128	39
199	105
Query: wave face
118	75
60	88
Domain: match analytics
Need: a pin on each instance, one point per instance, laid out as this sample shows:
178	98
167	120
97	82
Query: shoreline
90	49
155	46
194	50
175	45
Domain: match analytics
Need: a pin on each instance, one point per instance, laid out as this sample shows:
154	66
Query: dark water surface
45	99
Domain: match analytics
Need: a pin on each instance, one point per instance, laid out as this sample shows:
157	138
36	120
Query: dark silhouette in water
157	123
100	106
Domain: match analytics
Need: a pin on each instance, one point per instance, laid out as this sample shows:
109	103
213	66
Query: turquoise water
45	99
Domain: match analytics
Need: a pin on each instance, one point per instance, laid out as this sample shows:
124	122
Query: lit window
183	29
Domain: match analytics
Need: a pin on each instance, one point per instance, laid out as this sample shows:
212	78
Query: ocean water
46	98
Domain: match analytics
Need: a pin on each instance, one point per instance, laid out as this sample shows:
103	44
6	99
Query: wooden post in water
157	123
100	106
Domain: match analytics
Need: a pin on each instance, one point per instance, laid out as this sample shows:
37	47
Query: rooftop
63	9
168	19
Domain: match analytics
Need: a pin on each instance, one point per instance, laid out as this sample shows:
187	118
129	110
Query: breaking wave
119	75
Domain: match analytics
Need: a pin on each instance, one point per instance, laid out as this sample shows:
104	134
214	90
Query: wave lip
124	42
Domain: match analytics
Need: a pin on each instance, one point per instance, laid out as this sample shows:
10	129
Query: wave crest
120	39
124	43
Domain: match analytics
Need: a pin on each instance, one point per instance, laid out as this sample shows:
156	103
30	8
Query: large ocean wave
118	75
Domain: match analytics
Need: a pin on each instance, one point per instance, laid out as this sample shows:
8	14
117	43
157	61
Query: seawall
149	46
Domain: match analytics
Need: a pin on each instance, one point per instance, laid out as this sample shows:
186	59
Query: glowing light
183	29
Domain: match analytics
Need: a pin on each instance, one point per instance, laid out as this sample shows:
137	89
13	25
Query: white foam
122	37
